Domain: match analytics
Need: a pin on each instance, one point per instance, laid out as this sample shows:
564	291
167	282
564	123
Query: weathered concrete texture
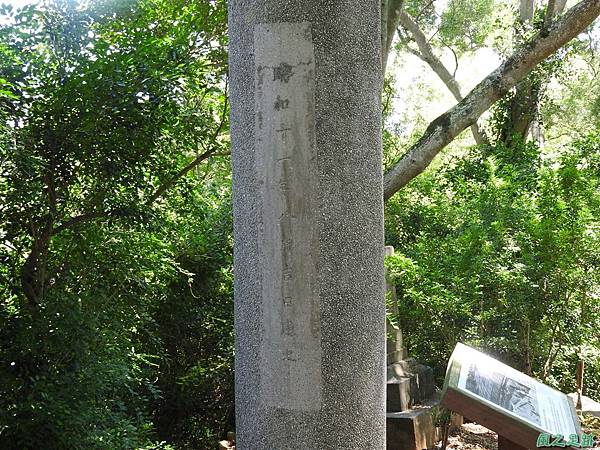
286	164
308	222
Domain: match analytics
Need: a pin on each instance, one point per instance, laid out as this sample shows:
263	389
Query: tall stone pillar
305	81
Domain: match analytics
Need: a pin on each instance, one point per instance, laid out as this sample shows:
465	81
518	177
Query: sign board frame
516	406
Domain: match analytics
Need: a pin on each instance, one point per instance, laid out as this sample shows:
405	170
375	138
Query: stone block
411	430
588	406
399	394
396	352
408	383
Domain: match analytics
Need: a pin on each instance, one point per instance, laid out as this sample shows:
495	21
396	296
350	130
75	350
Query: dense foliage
500	249
116	305
497	245
115	241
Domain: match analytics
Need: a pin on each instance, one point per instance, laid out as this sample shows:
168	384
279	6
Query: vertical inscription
286	167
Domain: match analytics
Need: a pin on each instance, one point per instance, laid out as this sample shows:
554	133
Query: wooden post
580	369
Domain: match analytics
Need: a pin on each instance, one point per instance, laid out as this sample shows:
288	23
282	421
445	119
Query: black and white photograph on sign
505	392
513	392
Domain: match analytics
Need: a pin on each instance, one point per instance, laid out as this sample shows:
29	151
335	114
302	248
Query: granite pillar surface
305	82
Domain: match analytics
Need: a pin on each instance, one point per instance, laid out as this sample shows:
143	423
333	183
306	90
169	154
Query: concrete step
413	429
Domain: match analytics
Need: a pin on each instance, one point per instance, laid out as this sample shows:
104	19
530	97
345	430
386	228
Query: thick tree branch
390	11
524	107
82	218
450	124
168	184
210	151
212	148
428	56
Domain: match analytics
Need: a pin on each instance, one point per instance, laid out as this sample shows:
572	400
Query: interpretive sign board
505	400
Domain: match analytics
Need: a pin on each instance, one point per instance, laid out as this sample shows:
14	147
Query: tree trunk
523	109
526	10
450	124
33	272
427	55
308	224
390	14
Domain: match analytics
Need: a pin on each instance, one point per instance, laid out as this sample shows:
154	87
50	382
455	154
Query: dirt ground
472	436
